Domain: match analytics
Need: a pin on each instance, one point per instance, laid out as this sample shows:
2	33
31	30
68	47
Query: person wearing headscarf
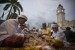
10	27
45	29
58	34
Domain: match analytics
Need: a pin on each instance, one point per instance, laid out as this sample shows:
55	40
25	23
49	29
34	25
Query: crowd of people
15	33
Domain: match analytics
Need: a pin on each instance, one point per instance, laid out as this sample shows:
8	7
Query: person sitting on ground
9	36
58	34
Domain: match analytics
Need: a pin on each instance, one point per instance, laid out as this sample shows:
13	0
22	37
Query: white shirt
8	28
73	29
25	30
59	35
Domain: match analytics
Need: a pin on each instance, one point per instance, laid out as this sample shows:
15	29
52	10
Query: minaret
60	15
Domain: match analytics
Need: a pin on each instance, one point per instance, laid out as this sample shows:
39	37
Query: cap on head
23	16
54	25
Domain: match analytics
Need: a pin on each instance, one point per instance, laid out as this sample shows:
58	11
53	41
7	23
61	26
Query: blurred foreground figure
9	36
58	35
70	35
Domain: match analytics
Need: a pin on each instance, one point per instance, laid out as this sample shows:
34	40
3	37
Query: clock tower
60	12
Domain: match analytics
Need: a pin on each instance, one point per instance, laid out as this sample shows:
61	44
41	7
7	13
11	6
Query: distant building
60	12
69	23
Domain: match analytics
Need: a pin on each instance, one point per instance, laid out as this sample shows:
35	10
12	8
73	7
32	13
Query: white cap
22	16
54	25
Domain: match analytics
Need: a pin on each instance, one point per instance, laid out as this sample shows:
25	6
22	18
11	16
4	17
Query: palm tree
4	1
13	6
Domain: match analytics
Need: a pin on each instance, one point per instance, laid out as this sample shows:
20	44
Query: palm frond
16	9
2	15
13	1
6	7
8	16
4	1
19	5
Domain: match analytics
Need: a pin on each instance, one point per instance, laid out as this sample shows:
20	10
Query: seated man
9	30
58	34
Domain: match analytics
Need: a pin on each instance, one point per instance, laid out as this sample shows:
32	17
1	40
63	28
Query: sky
39	11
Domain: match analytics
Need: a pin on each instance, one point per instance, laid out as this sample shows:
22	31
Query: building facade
60	13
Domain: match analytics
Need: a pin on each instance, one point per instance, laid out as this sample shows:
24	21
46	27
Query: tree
13	6
4	1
